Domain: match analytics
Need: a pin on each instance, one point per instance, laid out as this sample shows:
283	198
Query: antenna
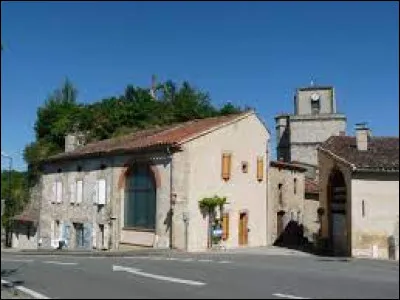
312	81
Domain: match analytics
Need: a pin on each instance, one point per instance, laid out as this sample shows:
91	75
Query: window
56	232
79	169
245	166
79	191
57	192
315	107
226	166
363	208
140	201
295	185
101	191
260	168
225	226
280	196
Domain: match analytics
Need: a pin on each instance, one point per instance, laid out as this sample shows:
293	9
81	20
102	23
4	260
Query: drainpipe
171	198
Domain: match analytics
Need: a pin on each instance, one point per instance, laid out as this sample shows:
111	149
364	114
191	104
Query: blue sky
253	53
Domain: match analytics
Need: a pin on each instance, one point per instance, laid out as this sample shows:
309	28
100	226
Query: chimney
362	135
74	141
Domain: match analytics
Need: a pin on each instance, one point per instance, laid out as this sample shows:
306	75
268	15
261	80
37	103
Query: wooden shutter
101	189
79	191
260	168
225	226
59	192
226	166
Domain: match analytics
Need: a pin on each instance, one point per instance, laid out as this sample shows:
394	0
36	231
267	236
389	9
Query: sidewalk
265	250
91	253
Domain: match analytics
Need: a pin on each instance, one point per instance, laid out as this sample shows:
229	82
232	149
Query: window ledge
138	229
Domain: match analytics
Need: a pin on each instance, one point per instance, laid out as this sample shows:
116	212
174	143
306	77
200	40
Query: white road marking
288	296
59	262
159	277
27	291
205	260
17	260
224	262
187	259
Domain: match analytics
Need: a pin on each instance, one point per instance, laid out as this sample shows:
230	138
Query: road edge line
27	291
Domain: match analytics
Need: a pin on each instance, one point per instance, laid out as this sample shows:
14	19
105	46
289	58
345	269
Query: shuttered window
79	191
226	166
260	168
57	190
225	226
101	191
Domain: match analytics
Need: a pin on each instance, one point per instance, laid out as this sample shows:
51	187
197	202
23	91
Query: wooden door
243	230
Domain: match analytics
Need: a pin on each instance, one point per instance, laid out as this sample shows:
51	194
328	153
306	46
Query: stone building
359	194
144	188
25	224
314	120
285	203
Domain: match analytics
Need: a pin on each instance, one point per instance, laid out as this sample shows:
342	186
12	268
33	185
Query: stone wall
292	203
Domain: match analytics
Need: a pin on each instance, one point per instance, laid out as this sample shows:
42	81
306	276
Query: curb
93	253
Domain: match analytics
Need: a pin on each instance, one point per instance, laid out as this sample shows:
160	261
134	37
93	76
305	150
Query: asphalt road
203	276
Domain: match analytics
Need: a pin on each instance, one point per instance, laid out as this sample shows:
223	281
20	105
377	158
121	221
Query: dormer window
315	104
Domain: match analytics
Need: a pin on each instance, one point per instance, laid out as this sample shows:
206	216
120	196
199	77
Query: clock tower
314	120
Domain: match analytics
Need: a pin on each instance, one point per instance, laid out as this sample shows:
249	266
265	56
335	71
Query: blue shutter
67	233
87	235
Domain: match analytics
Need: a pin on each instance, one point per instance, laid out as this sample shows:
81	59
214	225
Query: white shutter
54	193
72	192
59	192
101	183
79	191
94	235
52	237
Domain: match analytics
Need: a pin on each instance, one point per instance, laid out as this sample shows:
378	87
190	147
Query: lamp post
7	202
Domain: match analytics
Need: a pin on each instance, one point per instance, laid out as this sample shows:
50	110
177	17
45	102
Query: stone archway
337	214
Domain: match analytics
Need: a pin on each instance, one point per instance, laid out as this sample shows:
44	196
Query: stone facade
372	209
299	135
284	198
182	180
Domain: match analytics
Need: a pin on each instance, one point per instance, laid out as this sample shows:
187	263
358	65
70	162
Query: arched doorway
337	214
140	198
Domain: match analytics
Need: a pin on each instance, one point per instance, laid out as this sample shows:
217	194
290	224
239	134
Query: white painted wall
381	198
246	140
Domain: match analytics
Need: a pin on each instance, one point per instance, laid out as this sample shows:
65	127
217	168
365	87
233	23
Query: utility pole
7	201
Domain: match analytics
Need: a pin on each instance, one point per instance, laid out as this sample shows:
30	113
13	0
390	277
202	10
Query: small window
315	107
59	170
245	167
363	208
280	193
295	185
103	167
79	169
226	166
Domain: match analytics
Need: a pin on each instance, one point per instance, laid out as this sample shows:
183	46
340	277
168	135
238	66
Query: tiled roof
171	135
382	153
287	165
29	214
310	186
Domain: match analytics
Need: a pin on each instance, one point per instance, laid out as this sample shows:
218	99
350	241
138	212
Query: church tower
314	120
